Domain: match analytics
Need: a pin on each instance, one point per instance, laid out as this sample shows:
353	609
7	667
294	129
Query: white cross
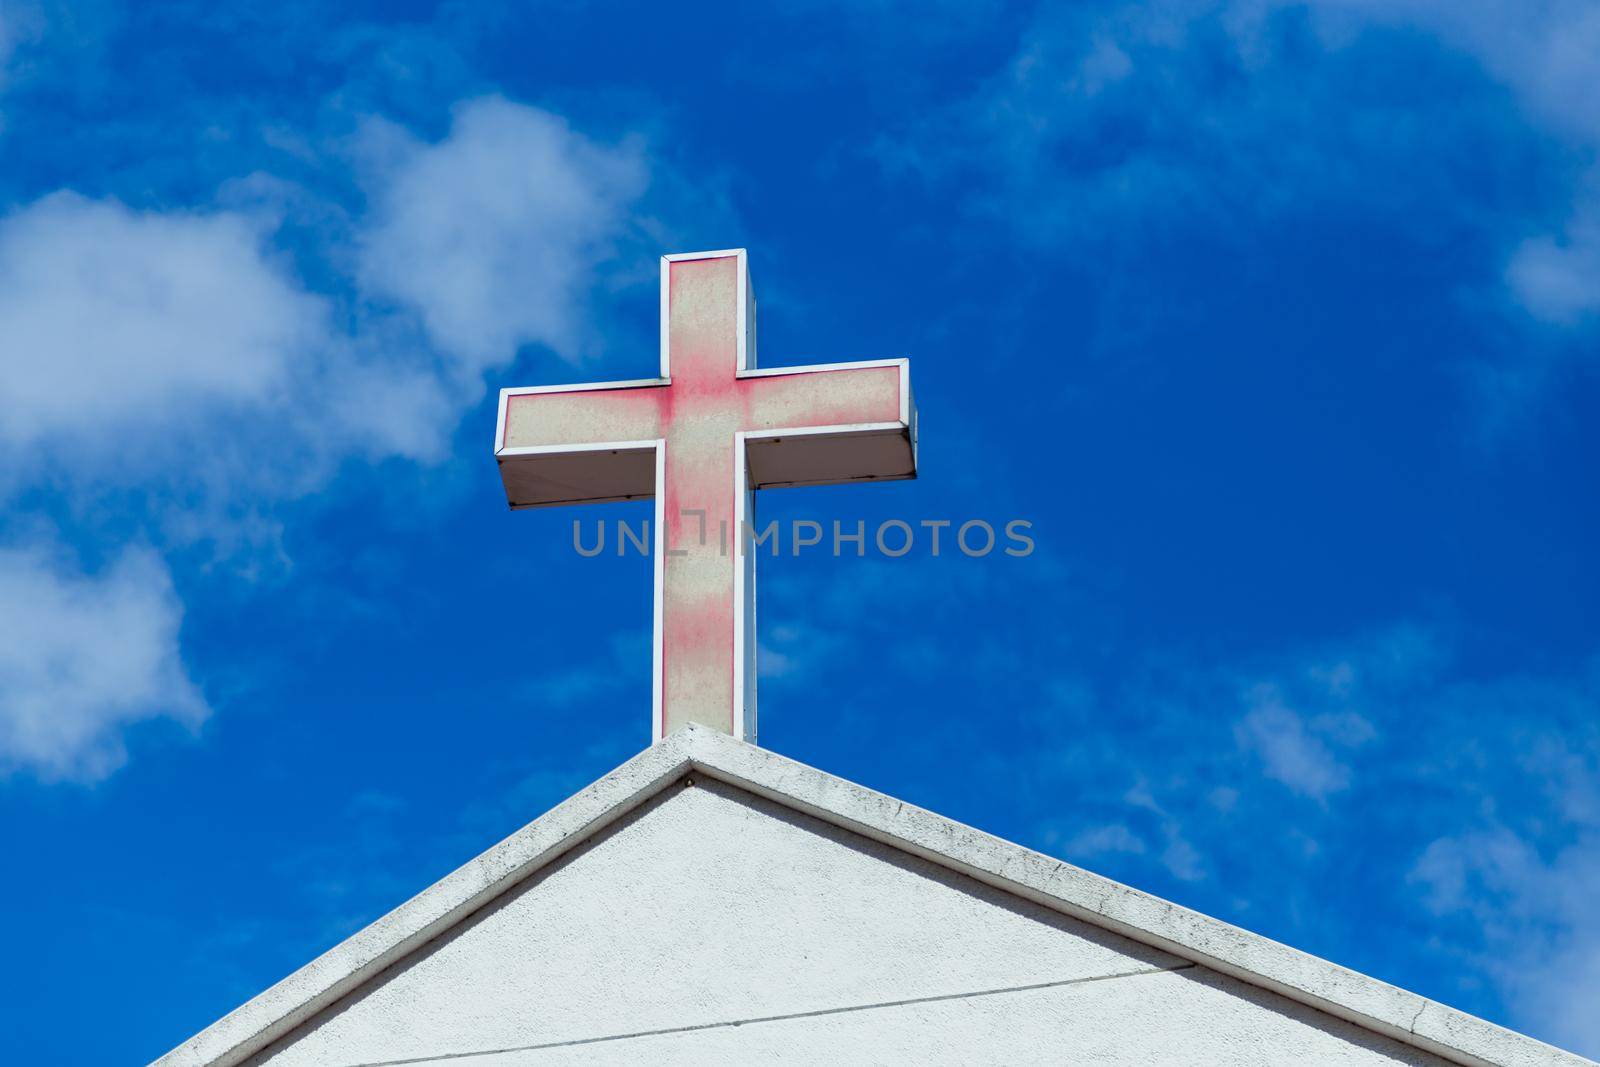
699	439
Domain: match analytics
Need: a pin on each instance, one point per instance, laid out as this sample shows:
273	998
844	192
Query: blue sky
1279	322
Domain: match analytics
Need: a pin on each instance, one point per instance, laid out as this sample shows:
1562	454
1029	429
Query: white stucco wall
719	927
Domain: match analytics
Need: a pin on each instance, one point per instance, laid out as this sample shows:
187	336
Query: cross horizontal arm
830	424
579	445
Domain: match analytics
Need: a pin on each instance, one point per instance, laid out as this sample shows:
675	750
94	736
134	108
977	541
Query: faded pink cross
699	439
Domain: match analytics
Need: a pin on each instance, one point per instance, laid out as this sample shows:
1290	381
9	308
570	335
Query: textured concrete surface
1158	1020
712	908
772	912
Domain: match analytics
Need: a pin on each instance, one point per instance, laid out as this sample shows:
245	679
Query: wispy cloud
1547	54
1546	51
1530	908
8	43
1470	799
1099	840
1557	276
1122	122
1513	880
1178	855
25	26
599	681
1113	126
1299	753
1259	785
16	22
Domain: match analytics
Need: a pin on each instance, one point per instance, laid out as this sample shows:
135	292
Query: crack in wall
755	1020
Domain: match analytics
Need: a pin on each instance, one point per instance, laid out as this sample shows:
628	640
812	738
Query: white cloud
493	235
82	656
173	372
118	322
128	332
170	367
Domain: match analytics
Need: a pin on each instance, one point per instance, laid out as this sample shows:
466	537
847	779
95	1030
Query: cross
700	438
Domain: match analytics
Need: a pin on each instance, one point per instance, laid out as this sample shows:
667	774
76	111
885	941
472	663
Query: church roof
1049	883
